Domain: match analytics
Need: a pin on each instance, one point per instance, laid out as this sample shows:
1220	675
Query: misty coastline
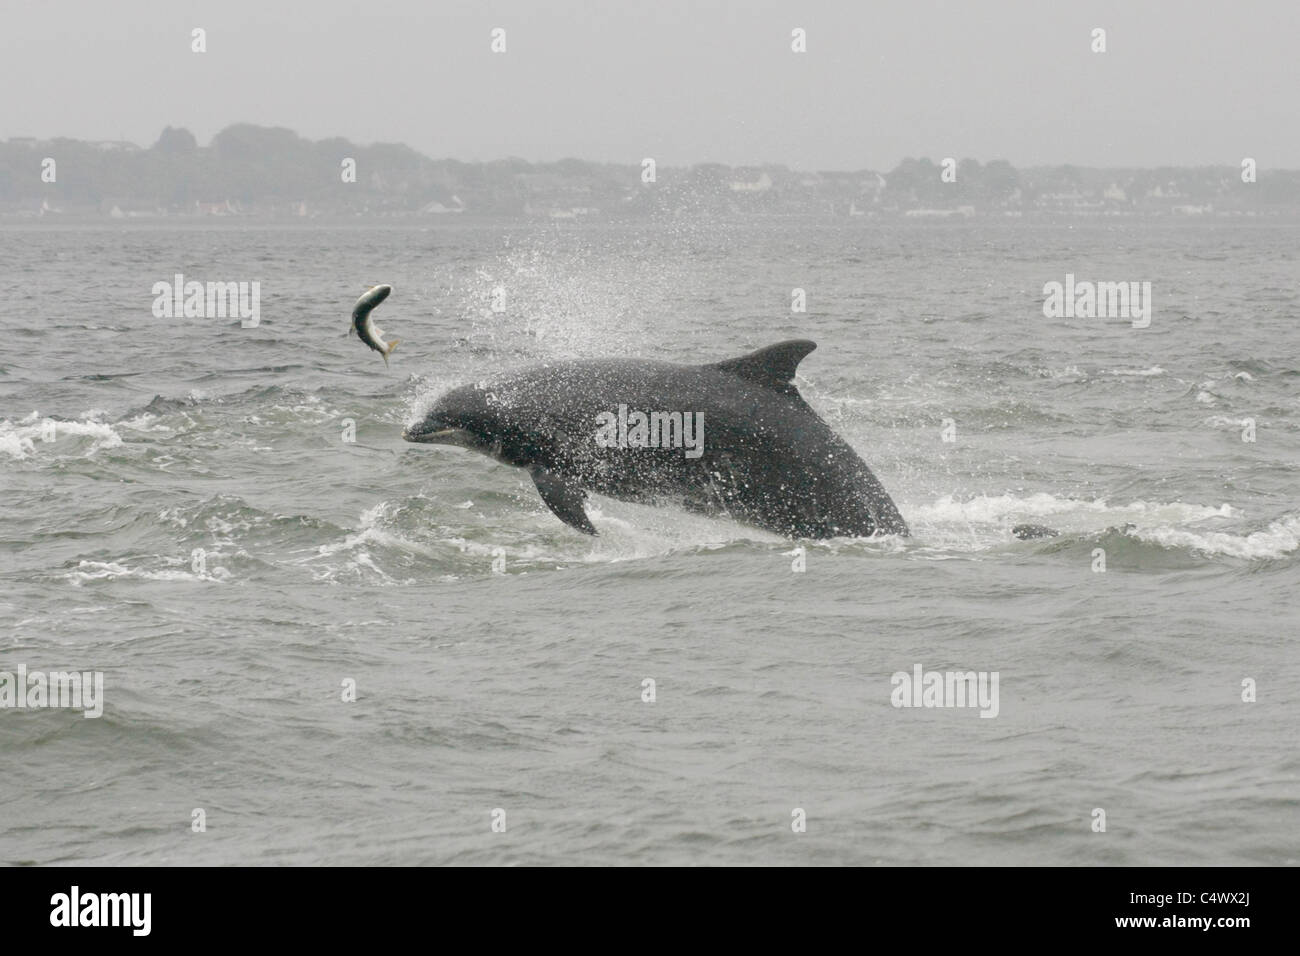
254	172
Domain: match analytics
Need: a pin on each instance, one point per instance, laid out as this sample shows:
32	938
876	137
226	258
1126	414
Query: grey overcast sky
1181	83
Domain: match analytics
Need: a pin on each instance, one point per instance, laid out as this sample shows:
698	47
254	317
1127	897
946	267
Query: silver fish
369	332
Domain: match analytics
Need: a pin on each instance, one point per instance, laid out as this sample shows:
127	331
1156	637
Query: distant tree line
255	170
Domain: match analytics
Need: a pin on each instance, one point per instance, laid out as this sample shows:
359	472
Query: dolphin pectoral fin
564	500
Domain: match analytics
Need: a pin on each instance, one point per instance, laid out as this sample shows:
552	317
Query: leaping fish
368	331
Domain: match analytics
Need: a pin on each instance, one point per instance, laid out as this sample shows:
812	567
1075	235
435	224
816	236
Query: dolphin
731	439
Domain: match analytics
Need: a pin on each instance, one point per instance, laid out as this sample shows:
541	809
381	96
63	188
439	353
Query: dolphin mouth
436	436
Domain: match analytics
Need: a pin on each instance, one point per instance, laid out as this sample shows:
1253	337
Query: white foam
631	532
21	439
14	444
354	547
998	509
1221	421
1151	372
1068	373
985	521
145	422
110	570
1279	539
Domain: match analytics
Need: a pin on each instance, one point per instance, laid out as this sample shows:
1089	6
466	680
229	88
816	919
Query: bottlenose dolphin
732	439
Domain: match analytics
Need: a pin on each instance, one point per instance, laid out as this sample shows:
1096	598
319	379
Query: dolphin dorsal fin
772	367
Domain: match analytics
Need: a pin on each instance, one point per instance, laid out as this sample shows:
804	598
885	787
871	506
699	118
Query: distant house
1068	202
964	211
874	187
223	208
574	212
436	208
760	185
127	209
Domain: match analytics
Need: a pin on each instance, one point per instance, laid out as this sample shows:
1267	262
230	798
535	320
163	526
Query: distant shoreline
470	222
272	174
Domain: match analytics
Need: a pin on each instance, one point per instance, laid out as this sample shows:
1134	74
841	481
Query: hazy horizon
1189	85
149	142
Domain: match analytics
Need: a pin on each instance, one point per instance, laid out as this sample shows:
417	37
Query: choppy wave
34	434
1280	539
88	571
985	521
